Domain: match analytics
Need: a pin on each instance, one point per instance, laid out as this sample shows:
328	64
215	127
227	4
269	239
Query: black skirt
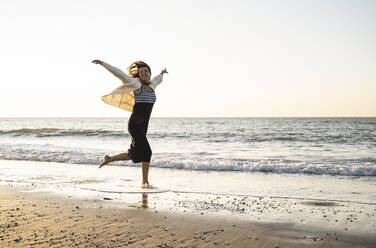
140	150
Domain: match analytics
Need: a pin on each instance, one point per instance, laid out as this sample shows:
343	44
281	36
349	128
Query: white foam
93	157
118	183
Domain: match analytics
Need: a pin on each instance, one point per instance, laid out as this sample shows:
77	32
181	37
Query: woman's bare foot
106	160
145	185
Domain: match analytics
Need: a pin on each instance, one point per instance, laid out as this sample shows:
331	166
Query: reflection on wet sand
144	200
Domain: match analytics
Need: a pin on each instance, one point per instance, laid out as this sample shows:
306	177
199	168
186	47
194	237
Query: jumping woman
137	96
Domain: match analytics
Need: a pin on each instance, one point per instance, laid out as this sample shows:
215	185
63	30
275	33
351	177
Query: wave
53	132
354	167
222	137
208	136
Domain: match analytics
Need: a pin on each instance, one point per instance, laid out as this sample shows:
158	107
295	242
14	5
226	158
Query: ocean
321	146
195	159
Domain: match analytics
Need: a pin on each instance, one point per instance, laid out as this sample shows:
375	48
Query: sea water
313	158
323	146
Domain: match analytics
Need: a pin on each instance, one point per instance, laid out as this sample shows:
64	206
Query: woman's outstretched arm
117	73
158	79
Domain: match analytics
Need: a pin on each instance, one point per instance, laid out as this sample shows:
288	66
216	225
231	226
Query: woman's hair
135	66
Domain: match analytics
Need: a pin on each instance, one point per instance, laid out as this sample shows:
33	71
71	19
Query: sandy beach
45	204
44	220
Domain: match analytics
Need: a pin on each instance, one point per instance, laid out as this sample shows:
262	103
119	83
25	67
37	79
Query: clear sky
225	58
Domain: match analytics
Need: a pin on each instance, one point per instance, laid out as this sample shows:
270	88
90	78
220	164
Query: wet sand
43	220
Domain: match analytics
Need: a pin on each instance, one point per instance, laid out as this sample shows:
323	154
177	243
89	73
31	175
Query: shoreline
44	220
50	200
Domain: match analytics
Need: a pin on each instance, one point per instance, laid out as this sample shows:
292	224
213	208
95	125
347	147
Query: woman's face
144	74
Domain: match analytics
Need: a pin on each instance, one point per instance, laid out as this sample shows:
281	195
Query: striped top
145	96
123	96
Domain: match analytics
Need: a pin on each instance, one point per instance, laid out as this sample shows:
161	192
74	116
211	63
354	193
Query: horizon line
171	117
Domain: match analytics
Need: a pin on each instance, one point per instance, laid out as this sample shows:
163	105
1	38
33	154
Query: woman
136	95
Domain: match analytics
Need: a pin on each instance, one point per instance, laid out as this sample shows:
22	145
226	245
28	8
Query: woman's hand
97	61
164	71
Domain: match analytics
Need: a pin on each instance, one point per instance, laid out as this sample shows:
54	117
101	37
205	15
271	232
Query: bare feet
145	185
106	160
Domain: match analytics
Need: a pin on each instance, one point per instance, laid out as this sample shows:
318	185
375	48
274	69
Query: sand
43	220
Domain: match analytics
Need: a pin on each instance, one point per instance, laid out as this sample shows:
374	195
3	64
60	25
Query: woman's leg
145	165
145	174
107	159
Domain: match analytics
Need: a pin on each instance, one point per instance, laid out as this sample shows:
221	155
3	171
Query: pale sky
225	58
